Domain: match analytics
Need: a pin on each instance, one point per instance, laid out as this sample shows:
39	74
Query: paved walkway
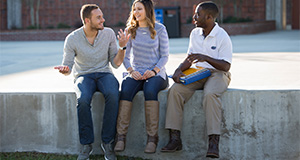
266	61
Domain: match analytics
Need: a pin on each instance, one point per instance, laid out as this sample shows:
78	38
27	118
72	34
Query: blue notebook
194	74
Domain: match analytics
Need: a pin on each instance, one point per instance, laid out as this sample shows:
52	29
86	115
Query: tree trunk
220	4
240	8
235	8
37	14
31	5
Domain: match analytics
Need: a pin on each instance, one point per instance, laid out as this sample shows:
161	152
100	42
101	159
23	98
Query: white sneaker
85	152
108	149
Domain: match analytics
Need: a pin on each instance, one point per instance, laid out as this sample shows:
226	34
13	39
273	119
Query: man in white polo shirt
210	47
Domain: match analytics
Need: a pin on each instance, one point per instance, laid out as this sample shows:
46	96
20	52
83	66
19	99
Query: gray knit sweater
84	58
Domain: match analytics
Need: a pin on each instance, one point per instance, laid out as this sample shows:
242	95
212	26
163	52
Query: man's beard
95	27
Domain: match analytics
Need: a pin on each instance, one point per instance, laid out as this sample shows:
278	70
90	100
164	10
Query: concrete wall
256	125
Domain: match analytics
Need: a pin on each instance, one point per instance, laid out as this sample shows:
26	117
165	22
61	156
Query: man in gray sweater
87	52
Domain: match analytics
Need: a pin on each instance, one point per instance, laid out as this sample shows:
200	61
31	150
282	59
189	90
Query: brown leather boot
152	119
151	144
122	124
213	146
175	143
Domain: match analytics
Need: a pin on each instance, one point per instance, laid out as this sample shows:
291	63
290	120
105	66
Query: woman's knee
150	94
126	95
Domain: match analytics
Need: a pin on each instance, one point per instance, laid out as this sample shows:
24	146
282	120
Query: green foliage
189	20
50	27
48	156
231	19
62	25
35	156
32	27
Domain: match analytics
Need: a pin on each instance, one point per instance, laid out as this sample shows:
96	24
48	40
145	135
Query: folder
194	74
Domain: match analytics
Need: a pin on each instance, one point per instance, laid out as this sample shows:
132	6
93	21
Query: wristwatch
122	48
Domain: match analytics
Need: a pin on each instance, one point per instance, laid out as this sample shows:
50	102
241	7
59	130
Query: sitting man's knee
112	94
210	94
83	102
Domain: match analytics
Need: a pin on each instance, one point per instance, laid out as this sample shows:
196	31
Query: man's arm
178	72
63	70
216	63
118	60
68	57
123	38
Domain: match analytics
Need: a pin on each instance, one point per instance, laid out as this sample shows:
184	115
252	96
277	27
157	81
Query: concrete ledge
256	125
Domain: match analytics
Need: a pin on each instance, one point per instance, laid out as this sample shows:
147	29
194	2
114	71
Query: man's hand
194	58
216	63
63	69
123	38
177	74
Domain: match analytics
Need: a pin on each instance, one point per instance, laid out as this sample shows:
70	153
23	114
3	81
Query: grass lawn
48	156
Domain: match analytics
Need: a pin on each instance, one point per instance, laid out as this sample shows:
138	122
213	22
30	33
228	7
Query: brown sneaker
213	146
175	143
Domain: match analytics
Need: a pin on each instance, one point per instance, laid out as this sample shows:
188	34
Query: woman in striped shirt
146	55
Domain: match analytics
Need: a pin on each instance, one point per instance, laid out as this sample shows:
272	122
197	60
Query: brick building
22	14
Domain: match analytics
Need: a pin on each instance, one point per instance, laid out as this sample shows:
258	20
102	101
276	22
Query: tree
221	3
37	14
237	8
34	12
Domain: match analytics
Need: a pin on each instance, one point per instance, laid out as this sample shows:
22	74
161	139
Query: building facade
51	14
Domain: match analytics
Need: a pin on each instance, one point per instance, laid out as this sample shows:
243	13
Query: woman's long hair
132	23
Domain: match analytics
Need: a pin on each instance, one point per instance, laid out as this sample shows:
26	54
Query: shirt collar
213	32
96	38
83	34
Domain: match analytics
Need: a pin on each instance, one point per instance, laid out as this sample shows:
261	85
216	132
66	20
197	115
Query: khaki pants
213	87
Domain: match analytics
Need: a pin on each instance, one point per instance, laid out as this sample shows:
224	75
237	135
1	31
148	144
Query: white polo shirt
216	45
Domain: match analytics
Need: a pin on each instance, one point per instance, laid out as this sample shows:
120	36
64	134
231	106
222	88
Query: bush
62	25
78	24
189	20
231	19
32	27
50	27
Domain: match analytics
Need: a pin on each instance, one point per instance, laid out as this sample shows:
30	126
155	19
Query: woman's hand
148	74
136	75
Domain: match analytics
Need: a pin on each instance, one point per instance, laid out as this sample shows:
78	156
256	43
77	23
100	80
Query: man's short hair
210	8
86	10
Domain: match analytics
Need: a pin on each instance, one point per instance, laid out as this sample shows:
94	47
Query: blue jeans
151	87
85	87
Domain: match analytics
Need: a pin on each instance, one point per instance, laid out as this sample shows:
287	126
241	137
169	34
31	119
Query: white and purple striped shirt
148	53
